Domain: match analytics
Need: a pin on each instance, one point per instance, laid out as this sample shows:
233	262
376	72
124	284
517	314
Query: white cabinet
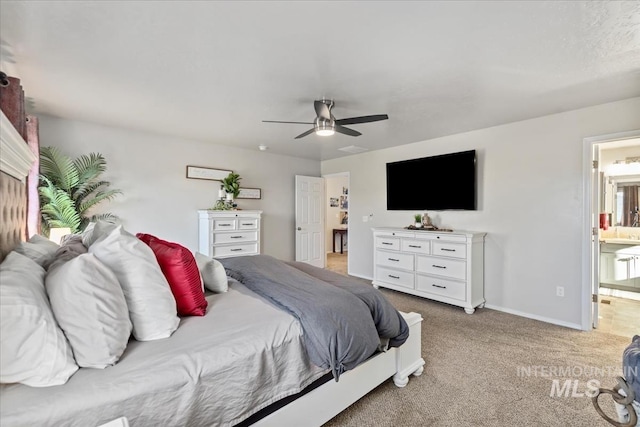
620	266
223	234
443	266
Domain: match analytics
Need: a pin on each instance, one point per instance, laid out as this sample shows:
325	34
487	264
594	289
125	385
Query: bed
235	365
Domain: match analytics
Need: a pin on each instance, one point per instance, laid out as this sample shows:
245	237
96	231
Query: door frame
590	219
326	196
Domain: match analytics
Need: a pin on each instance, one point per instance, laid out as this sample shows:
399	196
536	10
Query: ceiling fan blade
297	123
302	135
362	119
322	109
346	131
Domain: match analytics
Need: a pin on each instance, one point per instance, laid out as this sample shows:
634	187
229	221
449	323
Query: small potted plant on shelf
231	184
418	218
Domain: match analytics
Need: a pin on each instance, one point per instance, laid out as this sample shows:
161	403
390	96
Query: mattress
219	369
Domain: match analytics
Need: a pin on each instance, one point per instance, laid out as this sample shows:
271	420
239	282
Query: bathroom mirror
625	203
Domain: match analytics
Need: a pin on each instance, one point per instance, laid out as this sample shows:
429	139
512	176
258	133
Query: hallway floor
337	262
619	316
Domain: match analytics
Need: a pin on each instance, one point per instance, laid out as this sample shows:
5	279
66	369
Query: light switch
365	218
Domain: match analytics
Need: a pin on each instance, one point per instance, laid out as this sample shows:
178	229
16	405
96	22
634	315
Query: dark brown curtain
630	206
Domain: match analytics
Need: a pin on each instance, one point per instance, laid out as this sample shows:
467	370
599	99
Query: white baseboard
535	317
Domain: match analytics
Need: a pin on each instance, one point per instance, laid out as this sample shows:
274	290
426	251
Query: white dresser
223	234
443	266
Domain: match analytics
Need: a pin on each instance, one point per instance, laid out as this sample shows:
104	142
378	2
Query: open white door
596	194
310	220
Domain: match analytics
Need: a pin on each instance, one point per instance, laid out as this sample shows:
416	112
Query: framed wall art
199	172
250	193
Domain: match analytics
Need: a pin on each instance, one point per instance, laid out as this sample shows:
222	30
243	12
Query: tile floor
619	316
337	262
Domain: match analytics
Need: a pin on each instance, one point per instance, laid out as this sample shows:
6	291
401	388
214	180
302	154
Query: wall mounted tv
444	182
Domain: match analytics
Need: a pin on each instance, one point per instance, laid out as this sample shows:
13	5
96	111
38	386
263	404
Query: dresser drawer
389	243
235	250
453	268
394	259
440	286
454	250
224	224
247	224
400	278
417	246
237	237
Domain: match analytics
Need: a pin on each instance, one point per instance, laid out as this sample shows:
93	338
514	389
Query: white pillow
38	248
213	273
94	230
34	350
91	310
152	307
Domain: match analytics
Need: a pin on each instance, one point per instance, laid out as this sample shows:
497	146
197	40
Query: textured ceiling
212	71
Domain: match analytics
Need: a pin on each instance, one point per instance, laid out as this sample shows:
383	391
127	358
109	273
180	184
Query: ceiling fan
325	124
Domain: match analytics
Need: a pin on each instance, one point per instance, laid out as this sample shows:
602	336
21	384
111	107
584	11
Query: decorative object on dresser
418	220
446	267
225	234
231	184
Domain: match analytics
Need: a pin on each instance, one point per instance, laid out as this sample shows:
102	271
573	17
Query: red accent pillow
179	267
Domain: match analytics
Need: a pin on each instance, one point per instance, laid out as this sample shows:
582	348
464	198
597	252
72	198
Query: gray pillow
38	249
70	248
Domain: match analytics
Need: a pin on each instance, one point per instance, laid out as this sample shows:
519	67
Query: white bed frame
325	402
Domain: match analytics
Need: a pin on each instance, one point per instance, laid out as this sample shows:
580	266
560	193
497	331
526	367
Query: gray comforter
342	324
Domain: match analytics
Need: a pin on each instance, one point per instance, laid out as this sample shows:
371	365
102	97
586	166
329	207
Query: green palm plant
69	188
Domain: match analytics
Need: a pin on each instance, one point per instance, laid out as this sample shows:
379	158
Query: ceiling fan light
324	127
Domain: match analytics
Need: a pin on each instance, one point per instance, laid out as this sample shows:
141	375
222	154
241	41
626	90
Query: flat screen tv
444	182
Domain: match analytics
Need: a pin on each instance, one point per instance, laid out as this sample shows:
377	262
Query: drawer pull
438	286
244	223
224	225
415	246
236	237
447	250
387	243
438	266
235	249
393	259
393	277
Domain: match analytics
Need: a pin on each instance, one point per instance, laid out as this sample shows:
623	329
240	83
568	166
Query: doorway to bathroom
615	233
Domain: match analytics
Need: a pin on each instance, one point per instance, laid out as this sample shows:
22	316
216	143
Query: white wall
530	202
158	198
333	187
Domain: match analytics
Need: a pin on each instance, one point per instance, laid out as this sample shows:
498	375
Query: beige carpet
471	375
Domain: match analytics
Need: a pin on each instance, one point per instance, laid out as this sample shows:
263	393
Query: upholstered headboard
13	213
18	167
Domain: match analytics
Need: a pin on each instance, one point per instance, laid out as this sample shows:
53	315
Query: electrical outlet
560	291
365	218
